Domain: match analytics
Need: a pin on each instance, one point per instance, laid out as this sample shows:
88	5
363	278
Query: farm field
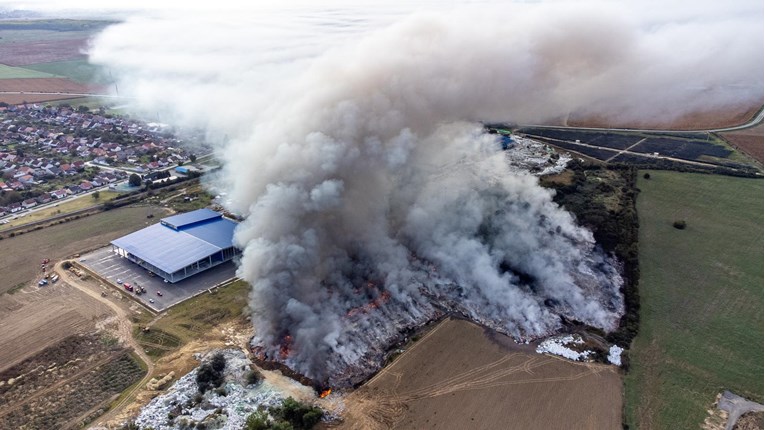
26	42
701	327
21	53
62	385
8	72
719	118
457	377
62	209
43	85
749	141
17	99
78	70
22	254
35	318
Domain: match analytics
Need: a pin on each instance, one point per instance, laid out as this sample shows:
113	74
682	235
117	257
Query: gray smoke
374	202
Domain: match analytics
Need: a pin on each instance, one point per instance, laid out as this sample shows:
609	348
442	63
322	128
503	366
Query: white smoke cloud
372	199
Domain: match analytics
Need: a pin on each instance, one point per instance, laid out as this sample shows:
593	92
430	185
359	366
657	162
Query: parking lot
119	270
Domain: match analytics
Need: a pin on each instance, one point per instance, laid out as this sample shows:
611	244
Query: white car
119	281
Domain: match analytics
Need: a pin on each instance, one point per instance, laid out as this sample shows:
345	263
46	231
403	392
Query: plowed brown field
48	85
456	377
716	118
749	141
36	318
43	51
17	99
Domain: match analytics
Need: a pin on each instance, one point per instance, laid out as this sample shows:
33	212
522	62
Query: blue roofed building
181	245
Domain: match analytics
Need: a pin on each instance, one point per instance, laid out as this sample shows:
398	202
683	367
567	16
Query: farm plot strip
19	404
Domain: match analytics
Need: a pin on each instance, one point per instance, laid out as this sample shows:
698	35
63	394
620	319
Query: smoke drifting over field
372	199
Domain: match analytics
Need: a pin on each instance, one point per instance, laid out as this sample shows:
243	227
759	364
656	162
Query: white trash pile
559	345
219	412
615	355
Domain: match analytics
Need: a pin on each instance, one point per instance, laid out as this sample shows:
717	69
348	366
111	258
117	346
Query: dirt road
124	332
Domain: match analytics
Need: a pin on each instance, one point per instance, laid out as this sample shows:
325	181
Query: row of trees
616	230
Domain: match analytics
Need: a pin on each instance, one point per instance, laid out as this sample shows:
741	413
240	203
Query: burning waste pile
376	208
381	234
373	200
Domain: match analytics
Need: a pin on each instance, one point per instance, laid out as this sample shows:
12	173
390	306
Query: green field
78	70
701	328
8	72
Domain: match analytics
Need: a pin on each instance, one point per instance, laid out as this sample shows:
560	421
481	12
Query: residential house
44	198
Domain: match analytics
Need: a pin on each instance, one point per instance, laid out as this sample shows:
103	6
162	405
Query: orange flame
286	347
325	393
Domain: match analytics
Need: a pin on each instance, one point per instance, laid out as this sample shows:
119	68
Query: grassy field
79	70
21	254
8	72
701	298
63	208
191	319
459	377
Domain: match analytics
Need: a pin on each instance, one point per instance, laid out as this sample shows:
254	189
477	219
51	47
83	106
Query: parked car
43	282
128	287
159	293
119	281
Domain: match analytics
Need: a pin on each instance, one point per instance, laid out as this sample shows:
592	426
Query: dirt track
456	378
124	331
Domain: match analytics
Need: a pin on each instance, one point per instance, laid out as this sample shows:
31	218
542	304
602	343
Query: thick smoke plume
374	202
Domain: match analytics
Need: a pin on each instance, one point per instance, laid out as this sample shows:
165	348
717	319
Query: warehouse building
182	245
